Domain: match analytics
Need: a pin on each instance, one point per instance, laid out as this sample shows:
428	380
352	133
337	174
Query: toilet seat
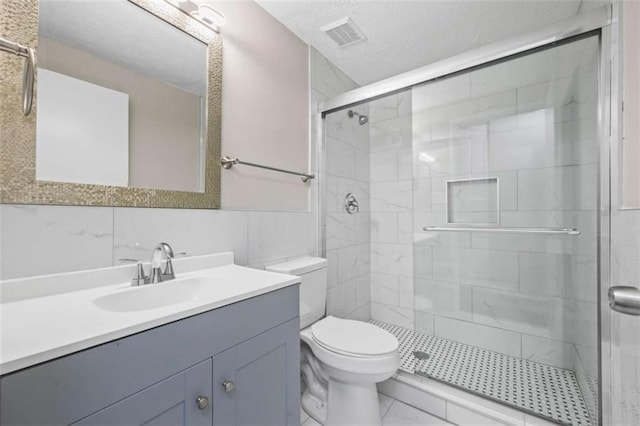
353	338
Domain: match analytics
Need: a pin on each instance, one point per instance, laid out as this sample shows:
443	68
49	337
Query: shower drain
421	355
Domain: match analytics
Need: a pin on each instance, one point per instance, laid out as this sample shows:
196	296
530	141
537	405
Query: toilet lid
353	337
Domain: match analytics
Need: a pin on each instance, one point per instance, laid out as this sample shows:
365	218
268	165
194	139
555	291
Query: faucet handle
168	273
140	278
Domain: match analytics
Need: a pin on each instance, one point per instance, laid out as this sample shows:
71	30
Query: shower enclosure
479	219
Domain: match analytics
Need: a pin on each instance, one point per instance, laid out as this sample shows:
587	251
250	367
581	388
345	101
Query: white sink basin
152	296
46	317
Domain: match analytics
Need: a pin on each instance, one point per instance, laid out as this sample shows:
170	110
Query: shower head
362	119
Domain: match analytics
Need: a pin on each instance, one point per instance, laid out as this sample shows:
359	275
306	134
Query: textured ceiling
124	34
403	35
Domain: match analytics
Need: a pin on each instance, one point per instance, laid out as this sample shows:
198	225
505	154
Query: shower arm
28	77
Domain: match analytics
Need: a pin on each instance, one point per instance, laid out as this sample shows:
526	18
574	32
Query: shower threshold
539	389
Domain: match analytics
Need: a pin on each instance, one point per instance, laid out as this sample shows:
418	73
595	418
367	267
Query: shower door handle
625	299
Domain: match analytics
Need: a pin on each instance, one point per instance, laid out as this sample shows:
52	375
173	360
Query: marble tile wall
531	126
40	240
529	296
620	356
347	235
37	240
392	204
625	329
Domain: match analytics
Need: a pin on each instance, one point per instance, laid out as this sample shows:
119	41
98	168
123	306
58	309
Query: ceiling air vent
344	32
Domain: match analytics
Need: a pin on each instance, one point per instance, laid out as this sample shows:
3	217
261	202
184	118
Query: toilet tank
313	286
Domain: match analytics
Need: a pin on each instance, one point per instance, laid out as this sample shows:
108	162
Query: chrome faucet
163	251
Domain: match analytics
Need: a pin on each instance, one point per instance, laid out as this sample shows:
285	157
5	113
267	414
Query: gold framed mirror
147	118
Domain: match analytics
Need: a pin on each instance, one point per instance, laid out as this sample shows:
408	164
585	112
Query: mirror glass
121	98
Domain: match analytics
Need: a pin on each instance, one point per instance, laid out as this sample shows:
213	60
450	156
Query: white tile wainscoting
40	240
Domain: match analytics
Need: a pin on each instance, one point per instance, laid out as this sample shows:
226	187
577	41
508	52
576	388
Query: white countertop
44	327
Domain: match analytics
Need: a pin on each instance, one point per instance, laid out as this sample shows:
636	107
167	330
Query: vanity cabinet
235	365
179	400
251	381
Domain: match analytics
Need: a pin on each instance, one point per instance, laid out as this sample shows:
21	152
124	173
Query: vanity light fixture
203	13
210	16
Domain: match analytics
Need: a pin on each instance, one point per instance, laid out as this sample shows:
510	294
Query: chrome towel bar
228	162
549	231
29	73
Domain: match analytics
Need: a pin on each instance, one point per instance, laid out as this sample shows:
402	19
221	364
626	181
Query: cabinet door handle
228	386
202	402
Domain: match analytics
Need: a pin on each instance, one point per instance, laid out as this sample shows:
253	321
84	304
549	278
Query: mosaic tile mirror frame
19	21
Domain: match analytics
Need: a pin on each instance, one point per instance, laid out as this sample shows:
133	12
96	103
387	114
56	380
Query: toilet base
314	408
348	405
353	405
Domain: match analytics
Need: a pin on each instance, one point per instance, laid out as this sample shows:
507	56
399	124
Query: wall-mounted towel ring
29	73
351	204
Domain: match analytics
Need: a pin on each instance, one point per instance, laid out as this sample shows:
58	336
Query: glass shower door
505	219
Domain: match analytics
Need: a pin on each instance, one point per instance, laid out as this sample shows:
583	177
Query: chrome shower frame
594	22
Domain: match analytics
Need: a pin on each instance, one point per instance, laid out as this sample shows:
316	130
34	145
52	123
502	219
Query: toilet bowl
352	356
341	359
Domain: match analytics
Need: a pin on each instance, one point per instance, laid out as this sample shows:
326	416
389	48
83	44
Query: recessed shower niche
473	201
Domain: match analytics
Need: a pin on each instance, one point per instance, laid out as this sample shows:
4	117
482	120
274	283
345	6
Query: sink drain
421	355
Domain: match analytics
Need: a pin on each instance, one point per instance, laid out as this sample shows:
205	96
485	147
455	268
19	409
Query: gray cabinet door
265	372
171	402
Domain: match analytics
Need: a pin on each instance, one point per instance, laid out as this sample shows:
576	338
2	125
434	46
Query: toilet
341	360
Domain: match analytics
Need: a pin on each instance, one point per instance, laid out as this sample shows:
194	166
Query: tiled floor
538	388
394	413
